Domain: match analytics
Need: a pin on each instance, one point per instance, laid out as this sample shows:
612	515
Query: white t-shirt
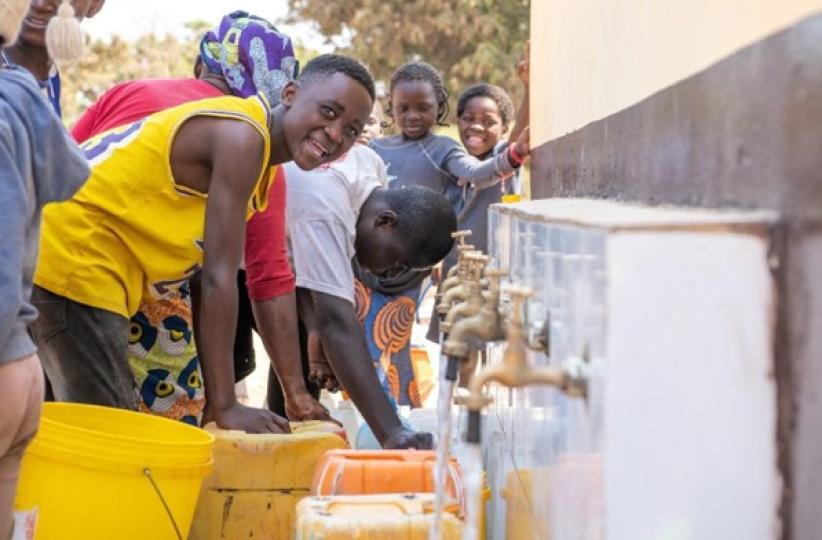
322	208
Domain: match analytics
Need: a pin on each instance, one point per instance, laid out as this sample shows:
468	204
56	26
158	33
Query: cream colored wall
592	58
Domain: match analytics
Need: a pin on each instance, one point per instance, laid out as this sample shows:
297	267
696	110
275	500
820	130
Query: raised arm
524	110
482	174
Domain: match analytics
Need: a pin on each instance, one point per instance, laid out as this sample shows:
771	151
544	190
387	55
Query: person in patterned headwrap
250	55
243	55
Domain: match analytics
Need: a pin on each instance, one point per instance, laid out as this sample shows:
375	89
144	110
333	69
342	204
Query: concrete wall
711	104
595	57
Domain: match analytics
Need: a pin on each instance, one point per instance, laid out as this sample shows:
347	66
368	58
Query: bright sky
131	19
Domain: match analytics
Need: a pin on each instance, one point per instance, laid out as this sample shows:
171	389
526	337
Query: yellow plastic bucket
521	518
96	472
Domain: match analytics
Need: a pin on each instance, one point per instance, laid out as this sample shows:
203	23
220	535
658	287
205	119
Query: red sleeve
85	126
129	101
268	272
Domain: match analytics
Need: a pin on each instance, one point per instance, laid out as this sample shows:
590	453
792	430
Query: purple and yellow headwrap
251	54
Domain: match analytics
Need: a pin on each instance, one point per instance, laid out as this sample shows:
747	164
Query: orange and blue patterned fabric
388	320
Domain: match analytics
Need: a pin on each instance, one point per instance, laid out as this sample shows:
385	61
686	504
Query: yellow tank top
131	231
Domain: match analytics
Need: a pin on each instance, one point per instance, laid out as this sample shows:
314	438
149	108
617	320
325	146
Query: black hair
425	72
425	221
497	94
329	64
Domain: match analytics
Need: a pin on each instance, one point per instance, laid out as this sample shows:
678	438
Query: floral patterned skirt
163	358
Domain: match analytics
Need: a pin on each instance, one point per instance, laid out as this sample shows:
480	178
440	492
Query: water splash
444	400
472	471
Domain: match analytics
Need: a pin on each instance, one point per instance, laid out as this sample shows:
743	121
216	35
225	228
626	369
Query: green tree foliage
106	63
468	40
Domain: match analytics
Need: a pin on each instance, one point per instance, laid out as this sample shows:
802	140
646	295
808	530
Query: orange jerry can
366	472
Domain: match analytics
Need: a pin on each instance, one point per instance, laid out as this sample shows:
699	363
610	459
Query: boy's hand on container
251	420
303	407
402	438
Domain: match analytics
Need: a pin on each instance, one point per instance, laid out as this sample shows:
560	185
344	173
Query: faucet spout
482	324
515	371
463	311
458	272
468	281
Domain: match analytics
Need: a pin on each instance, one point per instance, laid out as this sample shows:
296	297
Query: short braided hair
425	72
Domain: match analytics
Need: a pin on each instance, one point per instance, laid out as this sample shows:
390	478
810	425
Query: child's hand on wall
523	144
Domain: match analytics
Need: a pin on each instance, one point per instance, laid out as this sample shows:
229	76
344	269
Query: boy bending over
341	212
168	198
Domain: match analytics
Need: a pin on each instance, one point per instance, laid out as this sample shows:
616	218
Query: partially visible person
30	51
260	60
337	213
373	128
168	199
39	164
418	101
242	56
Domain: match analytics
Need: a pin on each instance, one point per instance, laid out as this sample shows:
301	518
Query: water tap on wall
515	371
475	262
457	272
483	326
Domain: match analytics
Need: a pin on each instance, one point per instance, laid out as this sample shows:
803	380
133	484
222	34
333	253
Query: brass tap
457	272
475	262
515	371
460	237
472	299
484	326
469	307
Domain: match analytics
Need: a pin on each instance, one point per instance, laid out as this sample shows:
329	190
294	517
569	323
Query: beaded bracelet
514	157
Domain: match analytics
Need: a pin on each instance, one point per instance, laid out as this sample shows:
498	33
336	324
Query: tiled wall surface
672	311
534	428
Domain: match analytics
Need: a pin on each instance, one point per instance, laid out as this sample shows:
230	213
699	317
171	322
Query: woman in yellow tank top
167	198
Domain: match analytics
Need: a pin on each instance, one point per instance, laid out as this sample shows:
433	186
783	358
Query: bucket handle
147	473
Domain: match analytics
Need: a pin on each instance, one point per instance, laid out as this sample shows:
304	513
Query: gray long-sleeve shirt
39	163
437	162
